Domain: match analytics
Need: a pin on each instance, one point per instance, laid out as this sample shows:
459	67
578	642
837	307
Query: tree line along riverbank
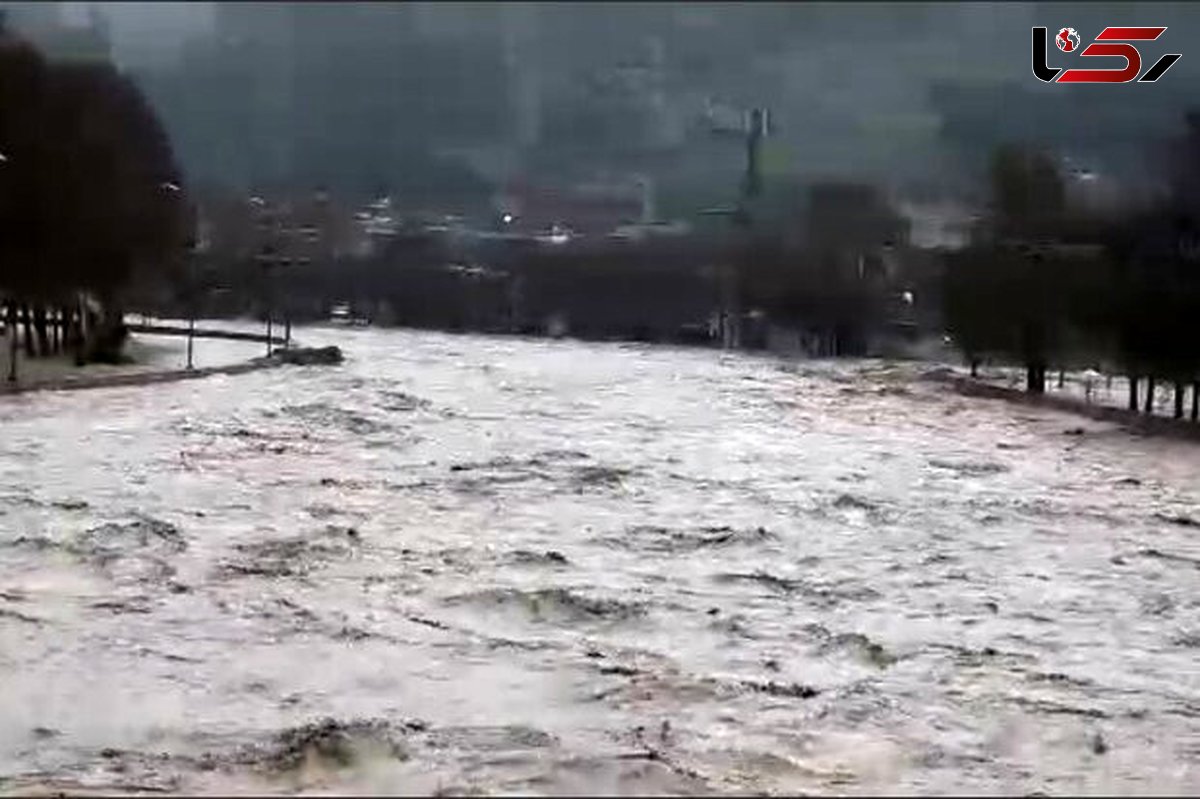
1050	286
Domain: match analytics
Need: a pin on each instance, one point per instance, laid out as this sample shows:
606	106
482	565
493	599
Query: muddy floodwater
493	565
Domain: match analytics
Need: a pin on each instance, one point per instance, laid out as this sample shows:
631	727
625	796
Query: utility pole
756	130
191	301
199	246
287	311
270	256
270	298
266	260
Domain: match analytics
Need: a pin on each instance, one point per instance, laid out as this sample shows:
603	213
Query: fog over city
908	92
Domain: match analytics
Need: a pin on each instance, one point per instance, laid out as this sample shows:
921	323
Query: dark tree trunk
13	348
108	335
74	331
27	321
1133	392
1149	407
1195	401
1061	378
66	325
1179	389
974	367
77	338
1035	378
43	335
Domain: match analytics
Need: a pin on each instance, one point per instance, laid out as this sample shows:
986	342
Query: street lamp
191	328
268	221
173	188
266	260
287	305
193	291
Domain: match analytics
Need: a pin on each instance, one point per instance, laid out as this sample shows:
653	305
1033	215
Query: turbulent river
463	564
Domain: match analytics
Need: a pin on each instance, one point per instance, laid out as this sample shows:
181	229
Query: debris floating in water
311	356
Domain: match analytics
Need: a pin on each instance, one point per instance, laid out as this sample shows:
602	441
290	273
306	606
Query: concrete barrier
298	356
77	382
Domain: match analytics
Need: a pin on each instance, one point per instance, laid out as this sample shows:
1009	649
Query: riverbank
143	378
1070	402
151	359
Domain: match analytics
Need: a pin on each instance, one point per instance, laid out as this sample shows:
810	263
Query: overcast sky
151	31
148	31
847	85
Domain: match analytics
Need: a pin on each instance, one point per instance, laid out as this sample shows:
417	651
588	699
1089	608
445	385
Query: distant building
287	229
937	224
589	209
374	226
